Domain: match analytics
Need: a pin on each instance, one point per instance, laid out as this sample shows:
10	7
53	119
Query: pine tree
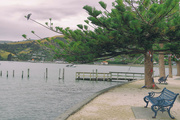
131	27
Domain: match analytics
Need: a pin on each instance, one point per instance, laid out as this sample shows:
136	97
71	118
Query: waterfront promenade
126	102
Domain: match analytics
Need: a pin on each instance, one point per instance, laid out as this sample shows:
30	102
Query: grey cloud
61	9
13	24
46	12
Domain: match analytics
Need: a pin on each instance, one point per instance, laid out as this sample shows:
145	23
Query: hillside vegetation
34	50
27	50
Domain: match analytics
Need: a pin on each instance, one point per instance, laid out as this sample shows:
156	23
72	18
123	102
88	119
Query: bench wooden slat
165	100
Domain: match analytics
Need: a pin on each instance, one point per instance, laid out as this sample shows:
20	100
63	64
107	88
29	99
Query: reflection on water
38	98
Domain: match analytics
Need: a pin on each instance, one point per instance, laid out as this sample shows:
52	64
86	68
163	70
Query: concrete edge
78	106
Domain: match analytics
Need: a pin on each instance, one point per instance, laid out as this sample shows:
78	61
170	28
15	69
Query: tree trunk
178	67
161	63
170	66
149	81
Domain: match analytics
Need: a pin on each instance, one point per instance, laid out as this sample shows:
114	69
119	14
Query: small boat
71	65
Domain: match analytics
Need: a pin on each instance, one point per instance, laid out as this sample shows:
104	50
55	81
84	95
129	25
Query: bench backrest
167	94
163	78
166	76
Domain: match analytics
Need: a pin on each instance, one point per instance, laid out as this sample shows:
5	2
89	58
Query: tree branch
131	4
45	26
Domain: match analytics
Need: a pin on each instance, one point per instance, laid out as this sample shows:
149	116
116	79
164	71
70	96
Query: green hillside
27	50
34	50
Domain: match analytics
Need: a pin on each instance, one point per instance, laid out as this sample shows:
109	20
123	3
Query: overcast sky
64	13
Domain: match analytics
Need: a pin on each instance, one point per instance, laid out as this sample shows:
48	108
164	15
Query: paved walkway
126	103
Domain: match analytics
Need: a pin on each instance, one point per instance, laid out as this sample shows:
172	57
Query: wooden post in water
22	74
125	76
133	75
96	74
63	73
59	73
28	73
90	76
117	75
7	74
1	73
103	76
78	75
46	72
110	75
13	73
83	75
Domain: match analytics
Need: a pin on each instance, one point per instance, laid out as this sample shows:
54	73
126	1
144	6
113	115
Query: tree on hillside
9	58
131	27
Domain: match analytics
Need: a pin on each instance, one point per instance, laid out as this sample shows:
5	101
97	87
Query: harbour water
41	98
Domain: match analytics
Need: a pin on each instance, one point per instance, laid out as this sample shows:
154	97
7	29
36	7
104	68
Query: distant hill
3	42
32	50
27	50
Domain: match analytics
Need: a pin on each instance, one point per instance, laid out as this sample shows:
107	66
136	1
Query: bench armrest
152	94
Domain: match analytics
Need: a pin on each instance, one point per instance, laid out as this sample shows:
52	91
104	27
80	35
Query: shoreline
80	105
122	102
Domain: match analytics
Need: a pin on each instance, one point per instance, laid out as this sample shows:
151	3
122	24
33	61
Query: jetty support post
83	75
90	76
133	76
96	74
110	75
125	76
117	76
76	75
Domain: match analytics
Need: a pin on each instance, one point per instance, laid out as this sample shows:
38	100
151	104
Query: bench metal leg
147	101
170	113
155	110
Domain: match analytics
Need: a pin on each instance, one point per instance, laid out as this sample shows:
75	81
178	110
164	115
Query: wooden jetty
111	76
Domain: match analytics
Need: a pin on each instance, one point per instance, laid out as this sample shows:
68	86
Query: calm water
38	98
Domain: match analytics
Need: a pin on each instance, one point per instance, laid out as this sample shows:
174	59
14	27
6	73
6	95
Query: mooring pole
13	73
28	73
22	74
63	73
46	72
59	73
7	74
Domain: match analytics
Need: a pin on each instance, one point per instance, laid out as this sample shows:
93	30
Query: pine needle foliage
130	27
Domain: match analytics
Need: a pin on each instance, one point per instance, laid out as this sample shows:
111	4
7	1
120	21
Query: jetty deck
111	76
